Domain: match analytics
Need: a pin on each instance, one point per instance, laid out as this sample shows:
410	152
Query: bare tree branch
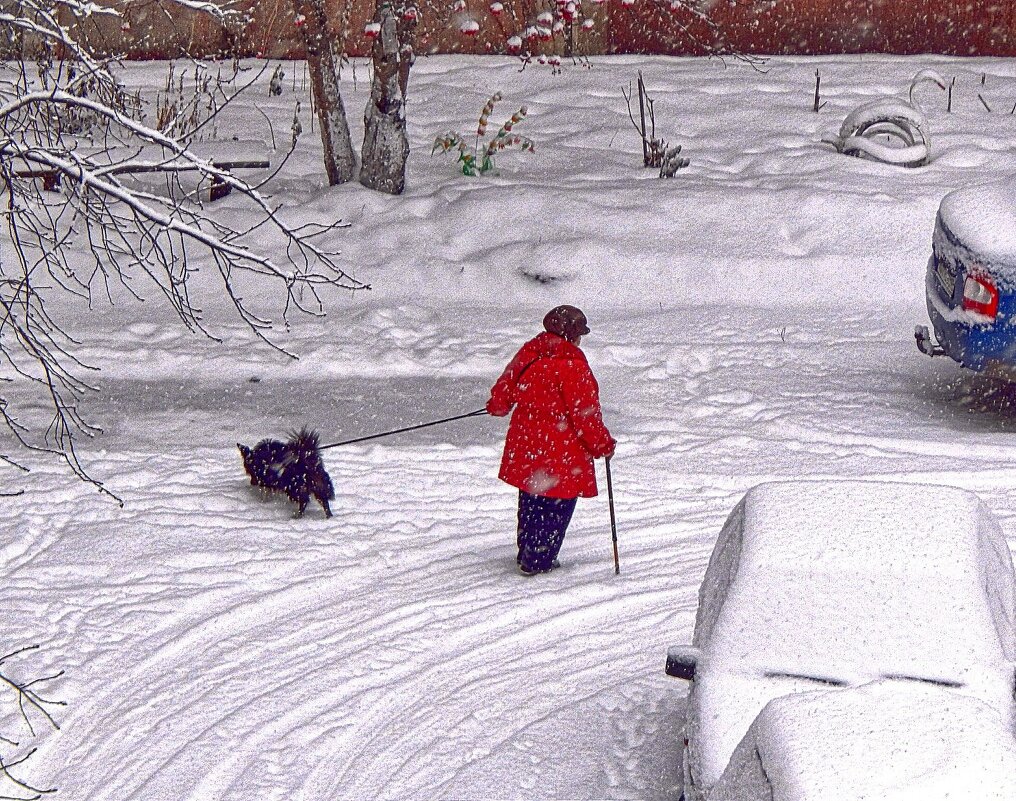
29	702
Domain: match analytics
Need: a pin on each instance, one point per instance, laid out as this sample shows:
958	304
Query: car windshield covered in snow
884	740
816	584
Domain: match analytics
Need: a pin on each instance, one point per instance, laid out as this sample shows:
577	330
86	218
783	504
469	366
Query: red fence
970	27
951	27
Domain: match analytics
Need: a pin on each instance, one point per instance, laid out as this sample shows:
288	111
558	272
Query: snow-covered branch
95	177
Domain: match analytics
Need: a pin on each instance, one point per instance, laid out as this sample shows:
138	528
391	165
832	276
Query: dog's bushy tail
305	444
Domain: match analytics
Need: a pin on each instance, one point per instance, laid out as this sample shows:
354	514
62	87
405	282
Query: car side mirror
682	660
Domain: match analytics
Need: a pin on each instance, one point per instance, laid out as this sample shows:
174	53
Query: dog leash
476	413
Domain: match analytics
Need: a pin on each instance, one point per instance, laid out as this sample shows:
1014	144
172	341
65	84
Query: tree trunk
385	144
340	163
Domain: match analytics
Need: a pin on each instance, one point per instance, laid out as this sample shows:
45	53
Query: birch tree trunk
340	162
385	144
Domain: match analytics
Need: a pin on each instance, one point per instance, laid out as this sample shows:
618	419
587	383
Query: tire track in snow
536	647
300	715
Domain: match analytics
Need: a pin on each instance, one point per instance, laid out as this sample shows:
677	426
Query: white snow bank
848	582
764	214
889	740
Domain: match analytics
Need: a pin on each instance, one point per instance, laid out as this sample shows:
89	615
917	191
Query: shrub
480	160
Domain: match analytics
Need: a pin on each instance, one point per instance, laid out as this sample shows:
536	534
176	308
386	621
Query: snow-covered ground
752	319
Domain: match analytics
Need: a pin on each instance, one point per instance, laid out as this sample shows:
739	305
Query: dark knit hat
566	321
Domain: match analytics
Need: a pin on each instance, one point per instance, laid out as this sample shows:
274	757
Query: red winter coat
557	428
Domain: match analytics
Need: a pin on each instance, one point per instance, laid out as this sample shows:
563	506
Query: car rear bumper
971	339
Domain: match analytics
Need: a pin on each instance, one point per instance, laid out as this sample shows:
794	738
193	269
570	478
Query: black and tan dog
293	467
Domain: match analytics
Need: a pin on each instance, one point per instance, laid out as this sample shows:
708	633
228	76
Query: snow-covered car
970	284
837	584
885	740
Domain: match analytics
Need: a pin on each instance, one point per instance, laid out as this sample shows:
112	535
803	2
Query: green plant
480	160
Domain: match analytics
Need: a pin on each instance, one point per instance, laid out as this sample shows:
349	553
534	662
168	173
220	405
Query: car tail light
980	295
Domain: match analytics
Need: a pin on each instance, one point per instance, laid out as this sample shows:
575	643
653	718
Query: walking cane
613	522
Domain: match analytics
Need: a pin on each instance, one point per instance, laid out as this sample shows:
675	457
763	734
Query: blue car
971	280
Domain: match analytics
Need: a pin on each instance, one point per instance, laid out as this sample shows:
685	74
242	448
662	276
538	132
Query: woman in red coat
555	433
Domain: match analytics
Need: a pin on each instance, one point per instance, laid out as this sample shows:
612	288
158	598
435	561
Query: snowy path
217	648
